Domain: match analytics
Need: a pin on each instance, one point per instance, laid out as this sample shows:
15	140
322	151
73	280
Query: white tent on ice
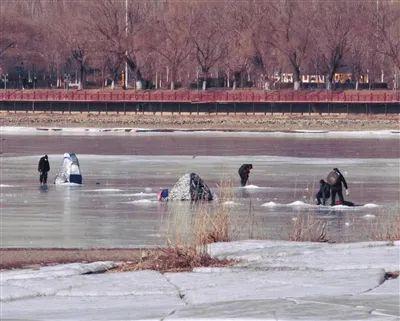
69	171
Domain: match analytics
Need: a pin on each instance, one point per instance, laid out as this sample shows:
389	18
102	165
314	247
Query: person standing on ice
244	172
335	180
324	192
43	168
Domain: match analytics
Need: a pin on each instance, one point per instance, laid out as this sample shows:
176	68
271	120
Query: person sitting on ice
335	180
324	192
162	195
244	172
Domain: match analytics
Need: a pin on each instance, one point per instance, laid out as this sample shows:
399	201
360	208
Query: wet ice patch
5	185
369	216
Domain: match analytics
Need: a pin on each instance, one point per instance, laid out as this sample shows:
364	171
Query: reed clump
307	228
189	236
385	228
174	259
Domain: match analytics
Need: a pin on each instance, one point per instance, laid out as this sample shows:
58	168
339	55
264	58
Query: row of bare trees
166	42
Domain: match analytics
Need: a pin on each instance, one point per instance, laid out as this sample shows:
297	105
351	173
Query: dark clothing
244	172
339	192
198	189
43	168
337	189
44	165
324	193
43	177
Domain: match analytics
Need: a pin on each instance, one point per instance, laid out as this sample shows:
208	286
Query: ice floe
273	280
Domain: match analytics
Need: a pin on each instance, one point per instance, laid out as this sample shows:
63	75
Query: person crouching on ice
244	172
43	168
335	180
324	192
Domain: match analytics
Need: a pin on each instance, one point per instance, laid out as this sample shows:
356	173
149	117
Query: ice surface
274	281
99	214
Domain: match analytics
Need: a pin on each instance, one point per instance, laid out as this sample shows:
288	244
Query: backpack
333	178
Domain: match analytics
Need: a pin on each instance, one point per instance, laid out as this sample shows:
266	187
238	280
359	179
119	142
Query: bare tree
386	21
333	35
208	37
170	36
291	34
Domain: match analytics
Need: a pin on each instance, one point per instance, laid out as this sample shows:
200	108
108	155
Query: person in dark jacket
43	168
336	187
244	172
324	192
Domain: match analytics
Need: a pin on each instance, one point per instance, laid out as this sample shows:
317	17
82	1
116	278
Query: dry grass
189	235
307	228
385	228
174	259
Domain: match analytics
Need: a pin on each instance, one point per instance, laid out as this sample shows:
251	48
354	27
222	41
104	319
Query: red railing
194	96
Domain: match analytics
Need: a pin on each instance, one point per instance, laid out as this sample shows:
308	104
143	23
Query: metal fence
199	102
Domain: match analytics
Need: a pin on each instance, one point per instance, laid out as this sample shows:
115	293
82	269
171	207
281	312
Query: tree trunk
296	77
172	85
204	86
82	78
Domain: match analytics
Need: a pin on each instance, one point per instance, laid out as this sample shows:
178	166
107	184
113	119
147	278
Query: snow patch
230	203
251	187
369	216
104	190
143	202
299	203
69	184
144	194
371	205
270	204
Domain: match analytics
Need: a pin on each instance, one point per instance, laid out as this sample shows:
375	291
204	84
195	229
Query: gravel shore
21	258
205	121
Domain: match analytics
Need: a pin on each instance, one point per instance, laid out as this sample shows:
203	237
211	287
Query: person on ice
335	180
43	168
324	192
244	172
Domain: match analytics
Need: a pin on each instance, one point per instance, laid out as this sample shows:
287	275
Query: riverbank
249	122
26	257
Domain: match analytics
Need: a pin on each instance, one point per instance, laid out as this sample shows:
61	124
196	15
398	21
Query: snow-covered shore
275	280
93	131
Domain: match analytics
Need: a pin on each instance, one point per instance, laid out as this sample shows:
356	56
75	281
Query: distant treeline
199	44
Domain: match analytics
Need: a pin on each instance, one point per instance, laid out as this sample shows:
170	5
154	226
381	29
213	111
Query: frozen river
117	207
